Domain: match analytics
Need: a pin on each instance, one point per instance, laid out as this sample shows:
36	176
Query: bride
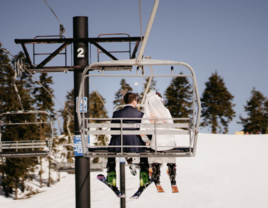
154	109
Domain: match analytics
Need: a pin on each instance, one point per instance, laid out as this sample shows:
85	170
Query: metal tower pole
82	164
122	182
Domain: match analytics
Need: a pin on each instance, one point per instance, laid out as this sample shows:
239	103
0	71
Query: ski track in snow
228	171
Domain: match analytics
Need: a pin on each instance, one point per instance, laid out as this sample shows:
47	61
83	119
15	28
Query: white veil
154	108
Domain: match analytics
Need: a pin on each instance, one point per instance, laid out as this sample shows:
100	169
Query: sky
228	36
228	171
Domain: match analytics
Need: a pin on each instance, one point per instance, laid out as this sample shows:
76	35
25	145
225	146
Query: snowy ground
228	171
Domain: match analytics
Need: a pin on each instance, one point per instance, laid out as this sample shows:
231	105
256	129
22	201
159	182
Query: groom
129	111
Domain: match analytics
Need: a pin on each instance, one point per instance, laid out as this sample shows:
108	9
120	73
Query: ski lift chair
182	126
30	147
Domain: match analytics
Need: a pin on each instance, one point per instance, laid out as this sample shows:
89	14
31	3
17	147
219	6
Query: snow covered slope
228	171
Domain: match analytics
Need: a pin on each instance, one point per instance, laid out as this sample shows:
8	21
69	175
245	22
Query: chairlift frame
193	125
15	146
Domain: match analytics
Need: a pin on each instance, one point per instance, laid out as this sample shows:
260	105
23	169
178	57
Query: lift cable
62	29
52	11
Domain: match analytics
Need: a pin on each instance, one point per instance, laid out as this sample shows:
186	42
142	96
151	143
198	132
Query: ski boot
172	173
172	176
111	174
144	175
156	173
156	177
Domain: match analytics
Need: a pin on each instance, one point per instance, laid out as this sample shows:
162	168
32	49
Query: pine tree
43	99
65	113
217	106
44	102
151	87
257	109
16	171
68	108
179	97
5	68
97	110
125	87
15	168
96	106
6	83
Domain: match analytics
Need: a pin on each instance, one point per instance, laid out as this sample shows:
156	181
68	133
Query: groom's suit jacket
127	112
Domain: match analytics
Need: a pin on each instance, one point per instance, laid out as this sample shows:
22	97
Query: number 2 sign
81	53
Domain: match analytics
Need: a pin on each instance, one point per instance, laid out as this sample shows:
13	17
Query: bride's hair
161	98
159	95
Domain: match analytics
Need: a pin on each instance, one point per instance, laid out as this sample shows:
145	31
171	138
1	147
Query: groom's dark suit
127	112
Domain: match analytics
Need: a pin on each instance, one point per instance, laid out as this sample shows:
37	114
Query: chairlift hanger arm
67	41
135	50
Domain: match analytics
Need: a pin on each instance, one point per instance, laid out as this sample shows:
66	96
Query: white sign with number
81	53
82	104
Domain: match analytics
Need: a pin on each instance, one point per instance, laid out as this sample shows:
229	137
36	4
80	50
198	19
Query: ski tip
100	176
122	196
160	189
134	197
175	189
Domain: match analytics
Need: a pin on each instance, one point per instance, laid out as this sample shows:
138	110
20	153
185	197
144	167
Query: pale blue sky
229	36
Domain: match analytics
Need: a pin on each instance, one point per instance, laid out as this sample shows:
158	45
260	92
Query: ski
140	191
118	193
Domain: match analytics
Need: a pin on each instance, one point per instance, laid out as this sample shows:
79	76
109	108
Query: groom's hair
129	97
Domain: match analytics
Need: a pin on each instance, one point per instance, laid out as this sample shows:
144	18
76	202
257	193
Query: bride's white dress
154	108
